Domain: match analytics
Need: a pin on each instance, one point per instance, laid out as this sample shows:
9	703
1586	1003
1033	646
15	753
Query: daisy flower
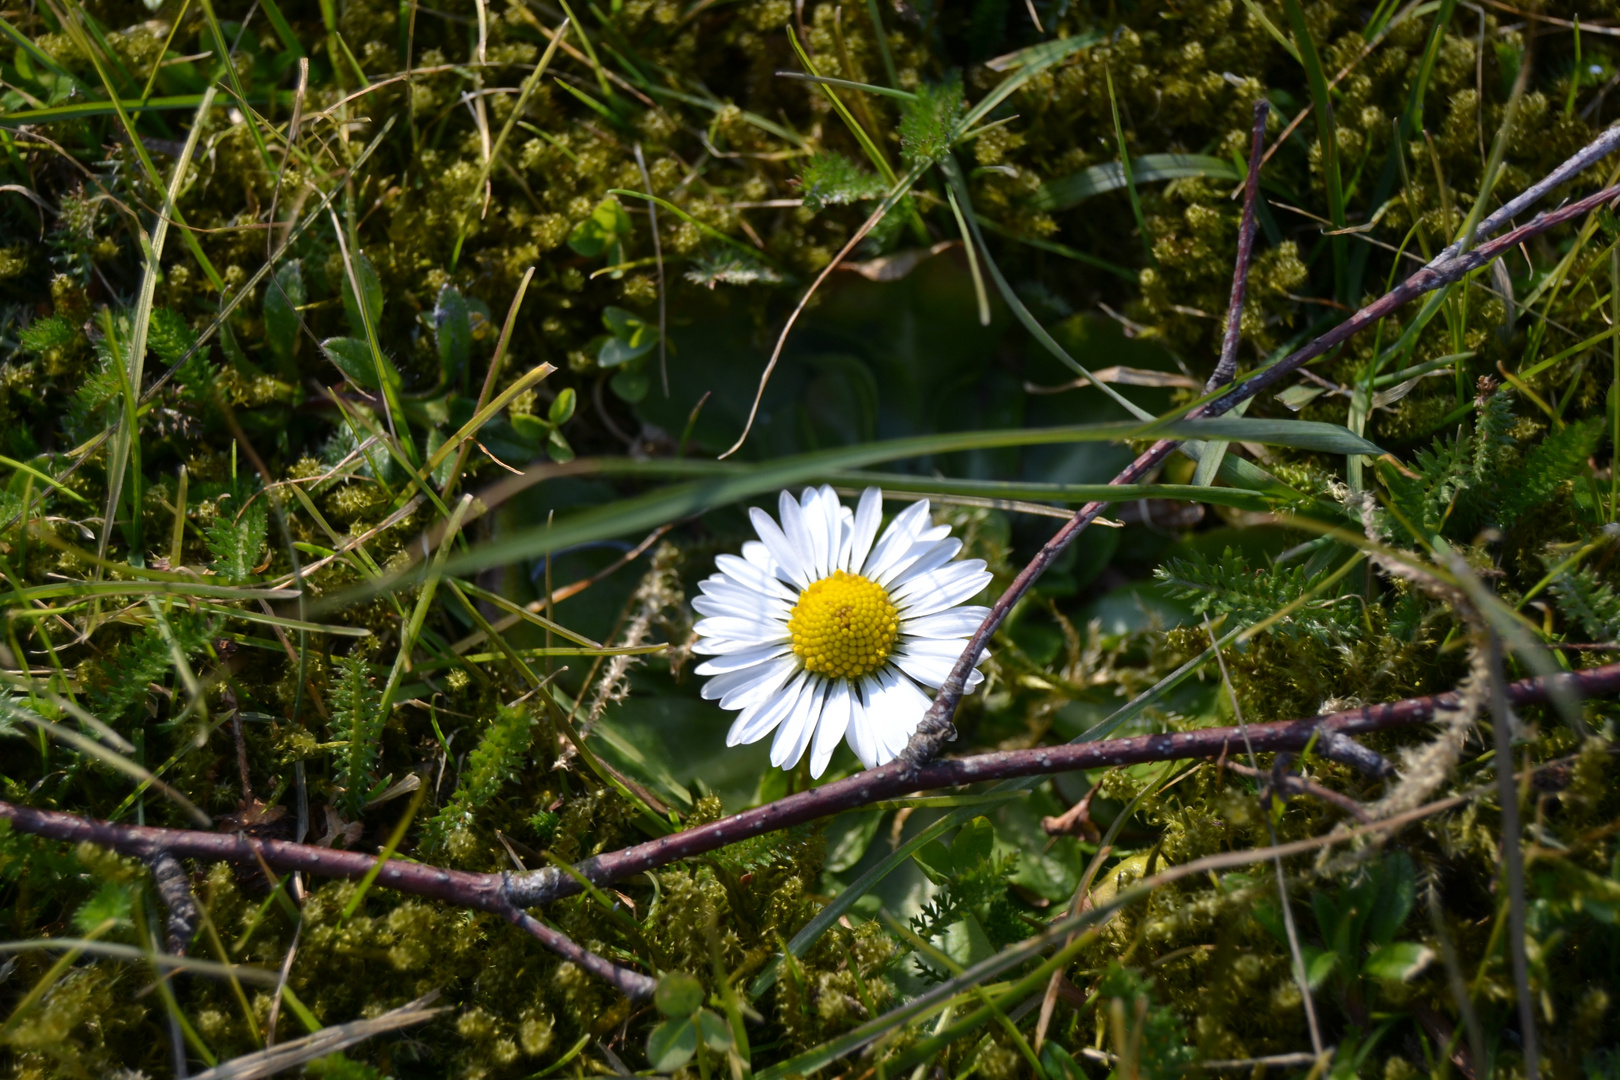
818	633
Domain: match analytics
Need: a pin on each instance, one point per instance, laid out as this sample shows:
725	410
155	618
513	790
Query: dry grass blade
290	1055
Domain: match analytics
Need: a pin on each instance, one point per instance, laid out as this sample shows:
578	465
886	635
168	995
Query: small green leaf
113	901
168	336
531	427
927	121
715	1031
607	225
370	288
1319	965
632	337
282	298
1398	962
672	1044
44	334
831	179
353	357
1059	1063
562	408
631	386
848	837
678	994
557	448
452	324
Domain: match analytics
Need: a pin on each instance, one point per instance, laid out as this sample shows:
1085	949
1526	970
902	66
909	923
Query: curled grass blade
638	513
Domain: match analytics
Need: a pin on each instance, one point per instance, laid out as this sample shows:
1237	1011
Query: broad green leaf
607	225
562	408
353	357
632	336
283	296
672	1044
452	326
1067	191
1398	962
1320	964
678	994
848	837
557	448
371	289
716	1032
630	385
1059	1063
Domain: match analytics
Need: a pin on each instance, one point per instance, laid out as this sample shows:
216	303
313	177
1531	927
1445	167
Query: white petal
752	609
794	734
759	631
867	516
931	671
724	646
817	528
799	533
769	678
761	602
922	547
931	557
834	722
942	588
744	658
860	736
956	623
895	707
759	556
753	724
838	518
896	539
748	575
742	687
790	565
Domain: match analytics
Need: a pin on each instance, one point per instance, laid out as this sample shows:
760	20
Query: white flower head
818	633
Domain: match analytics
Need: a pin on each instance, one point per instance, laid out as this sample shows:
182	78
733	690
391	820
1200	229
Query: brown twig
1450	266
1294	784
506	893
1245	253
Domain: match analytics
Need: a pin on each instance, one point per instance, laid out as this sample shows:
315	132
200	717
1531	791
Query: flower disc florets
844	626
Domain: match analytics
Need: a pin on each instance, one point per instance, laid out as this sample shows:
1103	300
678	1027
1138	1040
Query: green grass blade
1125	171
1327	137
1025	65
1068	191
953	175
646	511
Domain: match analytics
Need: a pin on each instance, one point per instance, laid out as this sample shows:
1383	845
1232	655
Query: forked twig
1450	266
507	894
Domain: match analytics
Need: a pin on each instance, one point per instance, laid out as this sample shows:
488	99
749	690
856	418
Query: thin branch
1245	253
1290	783
502	893
935	728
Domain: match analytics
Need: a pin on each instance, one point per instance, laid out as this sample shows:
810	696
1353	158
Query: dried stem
1512	856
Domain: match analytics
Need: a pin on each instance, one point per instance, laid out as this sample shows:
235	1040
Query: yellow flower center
844	626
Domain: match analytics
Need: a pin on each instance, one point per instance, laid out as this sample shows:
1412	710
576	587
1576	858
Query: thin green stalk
1327	138
1125	167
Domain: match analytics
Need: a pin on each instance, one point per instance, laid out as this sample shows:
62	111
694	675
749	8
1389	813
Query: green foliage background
305	388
